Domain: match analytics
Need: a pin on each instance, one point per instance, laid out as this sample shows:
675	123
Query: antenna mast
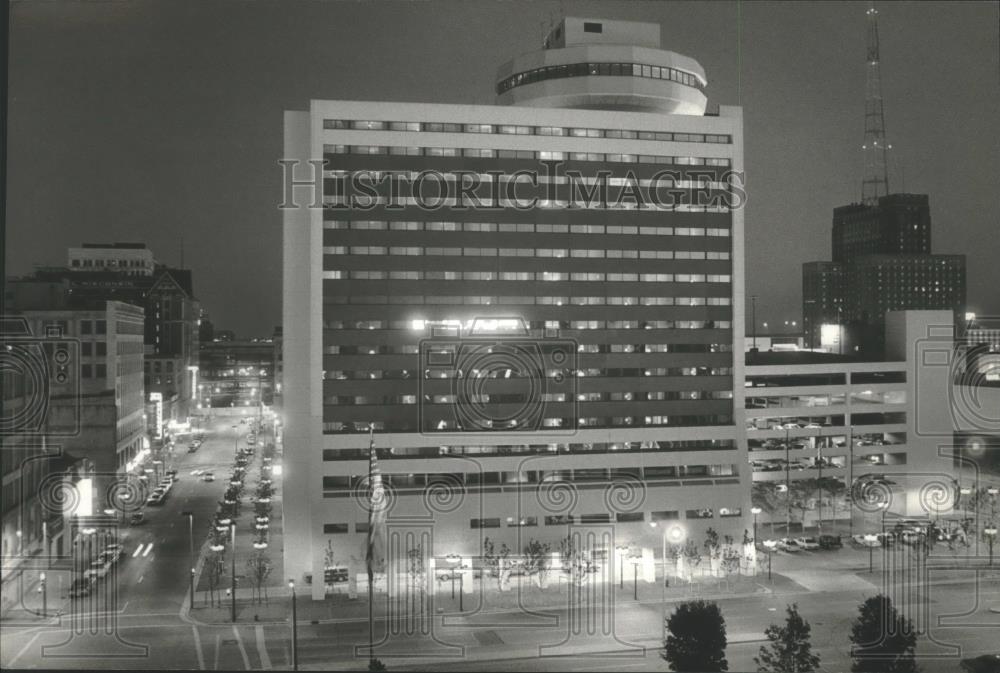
876	178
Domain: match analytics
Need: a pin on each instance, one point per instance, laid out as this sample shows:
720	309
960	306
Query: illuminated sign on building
157	398
829	337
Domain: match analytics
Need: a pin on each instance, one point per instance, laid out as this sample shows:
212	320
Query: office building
613	320
131	259
882	262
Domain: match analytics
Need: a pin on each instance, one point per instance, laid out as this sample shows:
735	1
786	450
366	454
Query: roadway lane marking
141	577
265	661
197	647
243	652
23	650
218	642
137	551
149	548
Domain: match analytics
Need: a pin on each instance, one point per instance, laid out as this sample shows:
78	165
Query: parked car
115	547
813	426
335	575
110	556
192	447
156	498
830	542
862	541
789	545
137	518
98	569
173	475
81	586
807	543
208	476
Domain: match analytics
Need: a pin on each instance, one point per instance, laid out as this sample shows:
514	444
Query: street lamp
621	550
991	534
455	560
233	572
755	511
677	535
770	544
871	540
45	595
635	576
295	630
190	517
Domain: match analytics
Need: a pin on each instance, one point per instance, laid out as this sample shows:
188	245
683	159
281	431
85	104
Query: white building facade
534	356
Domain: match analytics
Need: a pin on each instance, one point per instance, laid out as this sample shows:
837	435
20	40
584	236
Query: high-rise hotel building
536	305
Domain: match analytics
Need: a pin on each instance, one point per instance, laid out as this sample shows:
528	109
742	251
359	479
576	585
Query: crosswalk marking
265	660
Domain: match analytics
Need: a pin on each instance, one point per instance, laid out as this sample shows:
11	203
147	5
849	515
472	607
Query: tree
697	640
375	665
789	649
537	555
575	561
764	494
259	567
883	640
214	568
496	561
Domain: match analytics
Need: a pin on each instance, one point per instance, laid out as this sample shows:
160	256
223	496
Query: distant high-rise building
882	262
618	326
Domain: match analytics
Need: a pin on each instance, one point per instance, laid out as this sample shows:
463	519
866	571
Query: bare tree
259	567
214	568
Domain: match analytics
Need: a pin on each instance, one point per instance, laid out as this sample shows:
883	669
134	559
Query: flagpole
371	541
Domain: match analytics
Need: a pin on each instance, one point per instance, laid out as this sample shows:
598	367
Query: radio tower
876	178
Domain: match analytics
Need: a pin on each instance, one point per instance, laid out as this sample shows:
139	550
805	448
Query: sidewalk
484	600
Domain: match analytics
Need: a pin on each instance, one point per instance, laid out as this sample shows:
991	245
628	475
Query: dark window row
515	129
597	69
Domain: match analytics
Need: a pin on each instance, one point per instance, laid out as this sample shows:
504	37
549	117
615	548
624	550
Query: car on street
787	544
137	518
81	586
192	447
830	542
208	476
863	541
807	543
98	568
173	475
110	556
156	498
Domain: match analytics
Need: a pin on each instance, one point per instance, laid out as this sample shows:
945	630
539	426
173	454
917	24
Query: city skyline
195	123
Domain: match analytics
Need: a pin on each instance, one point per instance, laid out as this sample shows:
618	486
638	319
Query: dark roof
120	246
801	358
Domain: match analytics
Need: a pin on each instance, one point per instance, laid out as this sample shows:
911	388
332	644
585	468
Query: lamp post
677	536
788	484
190	518
454	560
236	441
753	318
621	549
45	595
991	534
755	511
850	480
635	577
233	571
295	630
770	544
871	540
966	492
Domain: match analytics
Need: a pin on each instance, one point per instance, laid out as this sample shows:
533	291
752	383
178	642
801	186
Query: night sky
153	121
